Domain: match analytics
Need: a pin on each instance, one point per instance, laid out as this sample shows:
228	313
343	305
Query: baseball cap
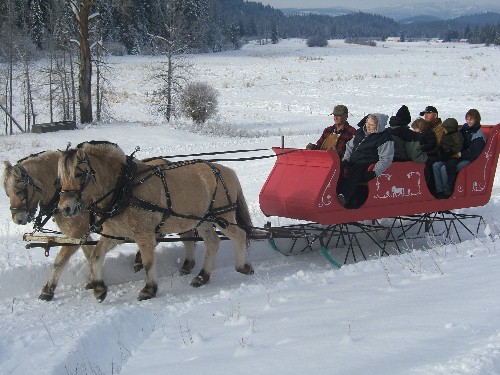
429	109
339	110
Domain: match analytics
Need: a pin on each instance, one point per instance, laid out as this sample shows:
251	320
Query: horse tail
243	219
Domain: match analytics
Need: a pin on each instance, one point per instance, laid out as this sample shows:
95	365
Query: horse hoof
47	293
149	291
186	267
100	291
247	269
46	297
138	267
201	279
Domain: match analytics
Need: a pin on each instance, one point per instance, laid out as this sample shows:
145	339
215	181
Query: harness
24	193
121	196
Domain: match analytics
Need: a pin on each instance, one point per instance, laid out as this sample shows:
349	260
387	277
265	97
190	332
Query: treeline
137	26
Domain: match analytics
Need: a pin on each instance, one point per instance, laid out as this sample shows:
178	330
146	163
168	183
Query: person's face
371	125
339	119
430	116
471	121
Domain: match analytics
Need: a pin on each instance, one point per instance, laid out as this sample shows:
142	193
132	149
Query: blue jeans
462	164
440	175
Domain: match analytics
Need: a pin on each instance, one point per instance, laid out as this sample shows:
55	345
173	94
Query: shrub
317	41
361	41
198	101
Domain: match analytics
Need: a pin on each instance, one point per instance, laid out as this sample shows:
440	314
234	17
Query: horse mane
100	149
32	156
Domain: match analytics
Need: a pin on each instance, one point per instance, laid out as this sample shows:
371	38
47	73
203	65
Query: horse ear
7	165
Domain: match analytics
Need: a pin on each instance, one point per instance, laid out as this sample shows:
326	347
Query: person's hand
311	146
370	175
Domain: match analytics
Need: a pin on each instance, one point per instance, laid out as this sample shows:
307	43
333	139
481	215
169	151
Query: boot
447	190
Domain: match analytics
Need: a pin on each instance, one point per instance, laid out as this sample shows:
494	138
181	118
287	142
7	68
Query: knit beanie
451	125
404	114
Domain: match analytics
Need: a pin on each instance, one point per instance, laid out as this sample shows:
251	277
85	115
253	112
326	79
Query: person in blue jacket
474	139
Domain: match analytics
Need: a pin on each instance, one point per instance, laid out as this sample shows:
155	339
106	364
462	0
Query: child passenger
425	135
445	169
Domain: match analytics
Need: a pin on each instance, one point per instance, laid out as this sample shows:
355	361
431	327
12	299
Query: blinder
24	192
84	175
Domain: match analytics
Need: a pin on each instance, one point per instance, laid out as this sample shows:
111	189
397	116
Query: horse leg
189	246
60	262
87	251
189	260
147	247
96	264
212	242
239	238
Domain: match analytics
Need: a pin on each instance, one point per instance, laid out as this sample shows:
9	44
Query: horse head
80	169
24	192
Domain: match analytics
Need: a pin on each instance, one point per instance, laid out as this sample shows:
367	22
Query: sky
431	310
353	4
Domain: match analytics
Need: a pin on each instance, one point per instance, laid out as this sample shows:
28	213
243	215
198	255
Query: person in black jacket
406	143
371	144
425	135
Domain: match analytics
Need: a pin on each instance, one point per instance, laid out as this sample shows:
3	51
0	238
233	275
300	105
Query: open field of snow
428	311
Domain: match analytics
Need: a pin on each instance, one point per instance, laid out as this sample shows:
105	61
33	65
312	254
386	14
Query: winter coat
428	141
406	143
450	146
345	136
474	142
437	128
372	148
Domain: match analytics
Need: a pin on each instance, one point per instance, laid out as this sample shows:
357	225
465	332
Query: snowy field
431	310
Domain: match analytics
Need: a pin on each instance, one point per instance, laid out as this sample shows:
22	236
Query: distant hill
335	11
404	12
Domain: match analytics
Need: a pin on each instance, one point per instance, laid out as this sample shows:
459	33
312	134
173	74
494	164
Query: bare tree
174	72
82	14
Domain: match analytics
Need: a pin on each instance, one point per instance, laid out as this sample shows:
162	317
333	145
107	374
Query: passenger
372	144
406	142
337	135
425	135
445	169
474	139
430	114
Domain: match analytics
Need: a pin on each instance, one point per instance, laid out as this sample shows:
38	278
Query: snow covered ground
428	311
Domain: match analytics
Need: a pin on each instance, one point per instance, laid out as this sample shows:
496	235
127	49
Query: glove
311	146
370	175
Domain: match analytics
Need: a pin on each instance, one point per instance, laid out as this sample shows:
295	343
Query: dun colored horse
31	184
134	200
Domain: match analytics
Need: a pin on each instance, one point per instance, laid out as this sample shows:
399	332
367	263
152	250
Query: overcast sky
352	4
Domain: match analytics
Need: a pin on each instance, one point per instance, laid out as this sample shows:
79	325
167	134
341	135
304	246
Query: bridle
84	175
24	192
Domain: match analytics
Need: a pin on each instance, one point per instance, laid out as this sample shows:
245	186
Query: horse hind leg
62	258
239	238
212	242
189	260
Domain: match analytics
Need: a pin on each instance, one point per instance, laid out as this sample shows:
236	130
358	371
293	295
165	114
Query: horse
31	184
134	200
